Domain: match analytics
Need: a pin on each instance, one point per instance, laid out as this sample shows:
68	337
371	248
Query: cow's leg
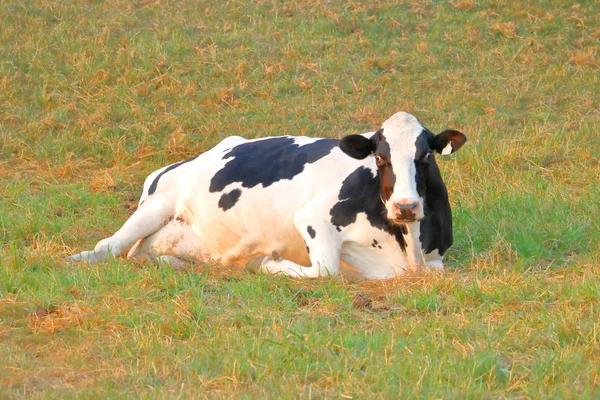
171	245
139	251
323	244
147	219
434	261
171	261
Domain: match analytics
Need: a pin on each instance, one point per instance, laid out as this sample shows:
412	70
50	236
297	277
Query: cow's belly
243	232
236	247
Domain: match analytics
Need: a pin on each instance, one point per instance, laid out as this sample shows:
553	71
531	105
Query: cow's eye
427	156
378	159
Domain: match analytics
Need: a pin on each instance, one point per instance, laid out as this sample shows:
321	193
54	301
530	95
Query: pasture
96	95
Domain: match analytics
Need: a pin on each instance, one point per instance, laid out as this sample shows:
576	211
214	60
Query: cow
368	206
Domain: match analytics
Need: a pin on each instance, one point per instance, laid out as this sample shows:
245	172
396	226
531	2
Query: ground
95	95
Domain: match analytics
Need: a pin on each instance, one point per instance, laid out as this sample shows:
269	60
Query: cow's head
403	150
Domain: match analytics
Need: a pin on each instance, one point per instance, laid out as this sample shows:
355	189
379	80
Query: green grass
95	95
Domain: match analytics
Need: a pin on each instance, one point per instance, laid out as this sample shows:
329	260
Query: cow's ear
448	141
357	146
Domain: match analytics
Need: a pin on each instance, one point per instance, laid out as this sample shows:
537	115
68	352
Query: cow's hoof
85	256
254	264
171	261
435	266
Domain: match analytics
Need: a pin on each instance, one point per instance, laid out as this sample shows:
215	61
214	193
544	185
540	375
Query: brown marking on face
383	157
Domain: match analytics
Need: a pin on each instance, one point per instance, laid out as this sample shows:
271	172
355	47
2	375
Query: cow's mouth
405	217
403	220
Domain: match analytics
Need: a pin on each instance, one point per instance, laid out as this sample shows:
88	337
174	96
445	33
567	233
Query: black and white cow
371	205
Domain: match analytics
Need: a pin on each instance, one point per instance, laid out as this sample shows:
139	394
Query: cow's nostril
406	206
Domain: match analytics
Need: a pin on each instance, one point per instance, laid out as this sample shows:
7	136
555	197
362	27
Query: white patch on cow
448	149
401	131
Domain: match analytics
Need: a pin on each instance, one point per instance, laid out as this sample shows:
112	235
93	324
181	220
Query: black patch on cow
375	242
338	228
436	227
422	163
360	193
154	184
228	200
311	232
268	161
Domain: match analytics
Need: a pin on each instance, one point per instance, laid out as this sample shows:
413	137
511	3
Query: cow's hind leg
171	261
140	251
171	245
152	215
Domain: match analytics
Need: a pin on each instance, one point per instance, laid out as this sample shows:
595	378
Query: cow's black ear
357	146
448	141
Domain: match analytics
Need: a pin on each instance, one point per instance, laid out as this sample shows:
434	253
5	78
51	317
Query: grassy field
95	95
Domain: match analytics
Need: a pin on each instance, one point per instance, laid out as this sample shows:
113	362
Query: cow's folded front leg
275	264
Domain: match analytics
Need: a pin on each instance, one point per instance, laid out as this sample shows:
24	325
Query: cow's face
403	150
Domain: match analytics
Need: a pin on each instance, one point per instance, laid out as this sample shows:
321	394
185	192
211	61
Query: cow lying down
371	205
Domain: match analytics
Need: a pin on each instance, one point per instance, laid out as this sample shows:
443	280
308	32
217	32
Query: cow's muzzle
406	212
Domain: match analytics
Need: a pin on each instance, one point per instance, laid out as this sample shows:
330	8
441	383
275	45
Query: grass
95	95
